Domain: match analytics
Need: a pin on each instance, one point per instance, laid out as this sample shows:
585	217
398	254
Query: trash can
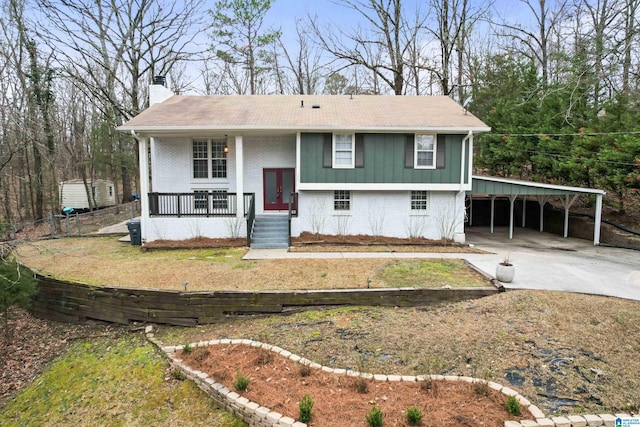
134	232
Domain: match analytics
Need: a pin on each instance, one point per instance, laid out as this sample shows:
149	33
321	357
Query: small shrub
414	415
178	375
481	388
361	385
429	385
186	349
374	417
512	406
305	370
241	383
200	354
264	358
305	405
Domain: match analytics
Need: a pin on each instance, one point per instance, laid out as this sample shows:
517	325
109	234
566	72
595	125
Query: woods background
558	82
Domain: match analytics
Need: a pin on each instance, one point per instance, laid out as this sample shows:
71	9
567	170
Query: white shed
74	195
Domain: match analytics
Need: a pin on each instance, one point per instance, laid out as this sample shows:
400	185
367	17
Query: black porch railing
251	217
197	204
293	211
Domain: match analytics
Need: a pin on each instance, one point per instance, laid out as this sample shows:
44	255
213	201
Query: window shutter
440	150
408	151
327	161
359	150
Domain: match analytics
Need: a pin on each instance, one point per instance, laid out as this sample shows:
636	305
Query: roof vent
315	106
159	80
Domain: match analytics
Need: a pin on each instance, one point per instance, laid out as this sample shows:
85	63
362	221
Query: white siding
74	195
191	228
381	213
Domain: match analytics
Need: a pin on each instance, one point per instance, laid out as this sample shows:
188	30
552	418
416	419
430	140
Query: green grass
113	382
435	272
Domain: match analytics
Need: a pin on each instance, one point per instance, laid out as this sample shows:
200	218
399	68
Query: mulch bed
279	384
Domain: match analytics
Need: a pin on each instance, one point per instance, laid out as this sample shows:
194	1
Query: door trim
280	205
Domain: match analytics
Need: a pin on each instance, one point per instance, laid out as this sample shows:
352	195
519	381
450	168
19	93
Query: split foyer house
268	167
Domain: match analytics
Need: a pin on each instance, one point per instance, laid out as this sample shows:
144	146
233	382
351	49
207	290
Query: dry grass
106	262
573	353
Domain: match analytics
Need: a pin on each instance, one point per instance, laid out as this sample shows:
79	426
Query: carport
542	193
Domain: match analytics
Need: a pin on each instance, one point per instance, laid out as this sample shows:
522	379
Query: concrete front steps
270	232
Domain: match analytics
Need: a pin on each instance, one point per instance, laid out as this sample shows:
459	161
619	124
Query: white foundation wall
172	163
382	213
191	228
262	152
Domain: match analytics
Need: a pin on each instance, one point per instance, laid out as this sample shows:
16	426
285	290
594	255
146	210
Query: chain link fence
71	225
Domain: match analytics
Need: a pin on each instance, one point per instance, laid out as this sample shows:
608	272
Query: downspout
462	159
461	192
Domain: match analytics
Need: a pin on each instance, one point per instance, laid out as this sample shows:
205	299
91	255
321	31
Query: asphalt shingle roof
285	112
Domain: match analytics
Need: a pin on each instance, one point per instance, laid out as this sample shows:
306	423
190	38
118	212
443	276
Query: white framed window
342	200
200	199
343	150
220	199
213	200
425	151
209	158
419	202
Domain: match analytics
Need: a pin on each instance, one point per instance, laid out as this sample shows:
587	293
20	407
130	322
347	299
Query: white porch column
597	220
143	150
239	177
512	200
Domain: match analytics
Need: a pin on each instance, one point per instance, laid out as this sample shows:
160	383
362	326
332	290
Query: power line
569	134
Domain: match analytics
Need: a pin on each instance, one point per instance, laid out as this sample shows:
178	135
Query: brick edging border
260	416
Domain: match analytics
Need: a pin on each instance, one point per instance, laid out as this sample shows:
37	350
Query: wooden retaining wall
77	302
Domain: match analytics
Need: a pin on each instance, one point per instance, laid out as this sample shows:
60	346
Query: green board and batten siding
384	162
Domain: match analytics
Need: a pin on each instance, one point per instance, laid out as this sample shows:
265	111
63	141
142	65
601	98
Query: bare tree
111	48
536	43
304	61
382	46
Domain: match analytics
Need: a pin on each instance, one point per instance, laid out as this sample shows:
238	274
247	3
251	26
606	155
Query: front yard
107	262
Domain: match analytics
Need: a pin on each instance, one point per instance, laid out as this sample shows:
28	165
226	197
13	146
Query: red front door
278	185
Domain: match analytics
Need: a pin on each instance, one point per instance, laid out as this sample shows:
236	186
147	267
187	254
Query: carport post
512	199
470	209
567	202
542	200
524	211
493	208
597	218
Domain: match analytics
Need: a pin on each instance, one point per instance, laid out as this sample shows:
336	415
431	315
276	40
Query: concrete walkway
543	261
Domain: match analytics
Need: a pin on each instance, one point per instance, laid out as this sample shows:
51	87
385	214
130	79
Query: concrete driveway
546	261
543	261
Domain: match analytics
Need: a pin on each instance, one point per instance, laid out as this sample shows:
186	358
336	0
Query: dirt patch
280	384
